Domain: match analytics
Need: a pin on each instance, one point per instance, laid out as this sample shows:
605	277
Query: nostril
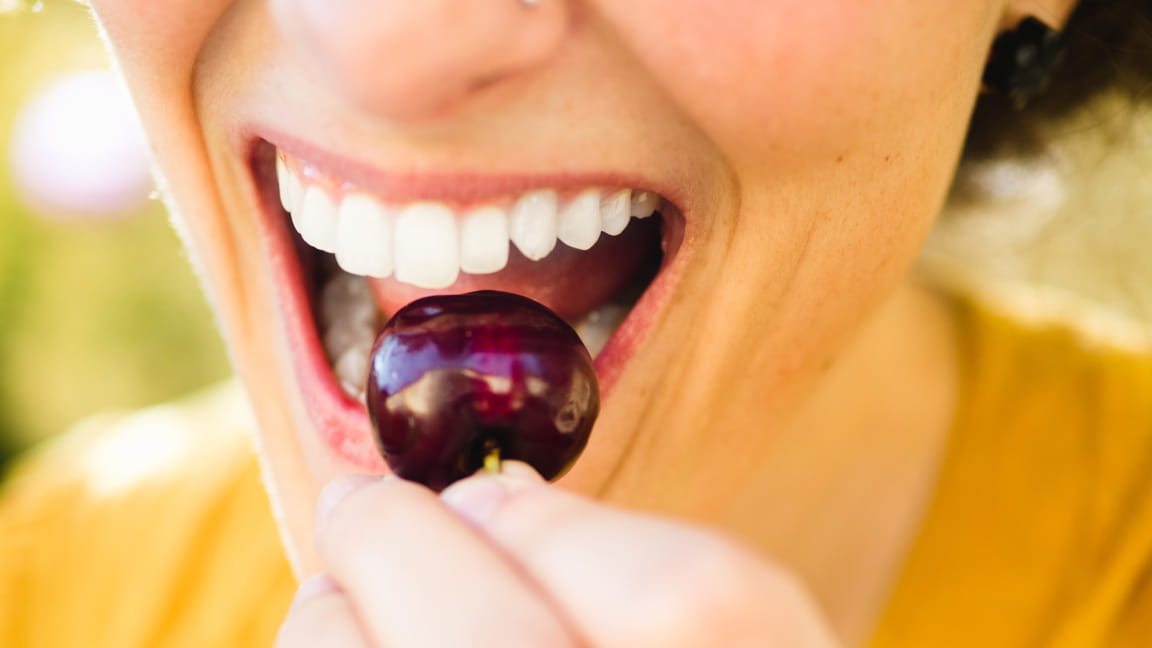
407	60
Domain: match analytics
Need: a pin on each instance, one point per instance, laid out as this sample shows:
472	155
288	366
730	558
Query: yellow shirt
151	529
145	530
1040	533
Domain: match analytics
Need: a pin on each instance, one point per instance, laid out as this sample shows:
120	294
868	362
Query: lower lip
341	421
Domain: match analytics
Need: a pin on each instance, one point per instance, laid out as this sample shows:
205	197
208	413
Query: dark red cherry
455	377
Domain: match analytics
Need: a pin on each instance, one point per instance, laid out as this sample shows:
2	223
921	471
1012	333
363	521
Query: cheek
156	46
156	43
800	79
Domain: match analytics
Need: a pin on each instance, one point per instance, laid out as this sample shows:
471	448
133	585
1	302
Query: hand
507	560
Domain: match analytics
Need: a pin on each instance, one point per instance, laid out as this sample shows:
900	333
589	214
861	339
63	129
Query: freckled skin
810	144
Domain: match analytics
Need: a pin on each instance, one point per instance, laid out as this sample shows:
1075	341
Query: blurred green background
96	313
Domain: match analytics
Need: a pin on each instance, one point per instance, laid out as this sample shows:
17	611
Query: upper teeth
427	244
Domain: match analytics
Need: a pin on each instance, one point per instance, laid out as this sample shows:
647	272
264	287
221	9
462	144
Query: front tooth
289	185
580	220
364	236
427	246
484	241
533	223
615	211
315	219
644	204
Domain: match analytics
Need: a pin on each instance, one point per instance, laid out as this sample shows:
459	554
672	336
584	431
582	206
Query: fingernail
316	585
338	489
520	474
478	497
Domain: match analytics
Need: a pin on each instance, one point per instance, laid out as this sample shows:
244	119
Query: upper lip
462	186
341	420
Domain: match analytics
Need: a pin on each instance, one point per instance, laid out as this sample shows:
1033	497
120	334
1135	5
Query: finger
320	616
418	575
632	580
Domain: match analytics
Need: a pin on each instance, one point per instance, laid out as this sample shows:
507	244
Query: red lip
342	421
456	187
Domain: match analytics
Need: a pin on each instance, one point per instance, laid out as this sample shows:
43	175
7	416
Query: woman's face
802	149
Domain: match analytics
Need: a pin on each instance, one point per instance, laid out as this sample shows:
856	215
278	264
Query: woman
800	444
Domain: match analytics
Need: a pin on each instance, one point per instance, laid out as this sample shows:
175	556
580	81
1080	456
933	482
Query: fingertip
518	473
478	497
321	615
338	489
314	586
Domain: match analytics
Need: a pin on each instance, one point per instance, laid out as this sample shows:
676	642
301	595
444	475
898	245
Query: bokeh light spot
77	149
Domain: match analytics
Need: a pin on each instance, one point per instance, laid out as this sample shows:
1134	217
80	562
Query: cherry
456	381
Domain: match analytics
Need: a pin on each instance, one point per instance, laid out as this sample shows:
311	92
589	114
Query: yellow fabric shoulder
1041	529
148	529
152	529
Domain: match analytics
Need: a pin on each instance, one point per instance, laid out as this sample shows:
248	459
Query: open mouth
352	252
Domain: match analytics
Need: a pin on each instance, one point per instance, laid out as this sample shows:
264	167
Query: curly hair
1108	49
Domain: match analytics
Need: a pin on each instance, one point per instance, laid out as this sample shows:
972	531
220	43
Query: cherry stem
492	458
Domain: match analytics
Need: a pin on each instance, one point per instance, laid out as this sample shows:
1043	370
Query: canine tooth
615	211
427	246
364	236
289	186
484	241
644	204
579	225
533	223
315	219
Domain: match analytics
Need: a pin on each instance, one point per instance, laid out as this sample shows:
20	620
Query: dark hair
1108	48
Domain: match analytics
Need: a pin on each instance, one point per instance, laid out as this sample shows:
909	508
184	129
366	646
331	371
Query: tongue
570	282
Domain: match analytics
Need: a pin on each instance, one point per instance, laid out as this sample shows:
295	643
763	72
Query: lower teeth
348	324
349	321
595	329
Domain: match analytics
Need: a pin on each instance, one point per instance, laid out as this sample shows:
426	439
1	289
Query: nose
413	59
